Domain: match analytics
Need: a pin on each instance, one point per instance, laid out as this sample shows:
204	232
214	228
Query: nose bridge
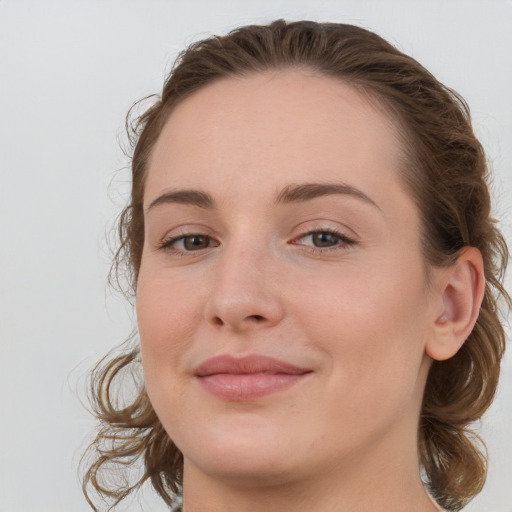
244	293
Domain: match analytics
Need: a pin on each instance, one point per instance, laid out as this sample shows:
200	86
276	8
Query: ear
461	290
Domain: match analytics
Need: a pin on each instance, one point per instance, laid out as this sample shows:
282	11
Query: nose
244	293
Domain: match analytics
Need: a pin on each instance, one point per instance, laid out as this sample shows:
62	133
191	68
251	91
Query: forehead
275	128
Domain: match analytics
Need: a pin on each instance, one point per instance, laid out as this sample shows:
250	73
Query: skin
358	314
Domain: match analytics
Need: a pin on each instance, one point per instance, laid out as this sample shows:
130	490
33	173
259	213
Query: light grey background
69	71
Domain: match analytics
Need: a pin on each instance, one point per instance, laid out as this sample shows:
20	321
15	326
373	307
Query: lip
249	377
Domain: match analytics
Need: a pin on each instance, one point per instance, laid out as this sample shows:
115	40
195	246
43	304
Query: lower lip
240	387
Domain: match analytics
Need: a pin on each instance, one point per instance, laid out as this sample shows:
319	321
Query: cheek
369	322
374	353
167	311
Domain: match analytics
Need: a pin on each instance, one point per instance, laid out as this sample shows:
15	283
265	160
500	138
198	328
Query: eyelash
344	242
167	244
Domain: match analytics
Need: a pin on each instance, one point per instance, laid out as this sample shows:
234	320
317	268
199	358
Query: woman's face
282	302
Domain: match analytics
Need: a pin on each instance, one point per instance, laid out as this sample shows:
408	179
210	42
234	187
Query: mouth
247	378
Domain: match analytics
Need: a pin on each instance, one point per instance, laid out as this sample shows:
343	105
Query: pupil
196	242
325	239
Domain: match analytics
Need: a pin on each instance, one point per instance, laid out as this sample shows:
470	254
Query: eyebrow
308	191
189	197
290	194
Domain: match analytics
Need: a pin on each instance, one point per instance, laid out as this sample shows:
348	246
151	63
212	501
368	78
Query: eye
188	243
324	240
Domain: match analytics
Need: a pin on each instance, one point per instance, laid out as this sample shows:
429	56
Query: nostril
219	322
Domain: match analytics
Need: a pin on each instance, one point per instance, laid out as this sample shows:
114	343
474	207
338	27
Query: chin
245	469
240	451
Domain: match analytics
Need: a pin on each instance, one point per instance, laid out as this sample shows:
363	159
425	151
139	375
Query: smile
247	378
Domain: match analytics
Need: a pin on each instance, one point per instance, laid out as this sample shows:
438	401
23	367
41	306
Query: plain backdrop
69	71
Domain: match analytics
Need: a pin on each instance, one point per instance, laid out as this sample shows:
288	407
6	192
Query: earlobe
461	292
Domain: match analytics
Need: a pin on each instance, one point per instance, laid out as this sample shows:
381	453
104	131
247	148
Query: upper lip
247	365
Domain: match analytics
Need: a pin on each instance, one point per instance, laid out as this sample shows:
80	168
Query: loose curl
443	167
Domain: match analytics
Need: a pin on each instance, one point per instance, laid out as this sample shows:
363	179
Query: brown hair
446	172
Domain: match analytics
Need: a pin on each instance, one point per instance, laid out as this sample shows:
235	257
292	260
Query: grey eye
324	239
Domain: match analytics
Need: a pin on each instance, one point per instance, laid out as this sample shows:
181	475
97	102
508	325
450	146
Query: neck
385	480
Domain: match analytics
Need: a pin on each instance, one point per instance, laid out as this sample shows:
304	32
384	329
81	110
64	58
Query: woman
317	278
